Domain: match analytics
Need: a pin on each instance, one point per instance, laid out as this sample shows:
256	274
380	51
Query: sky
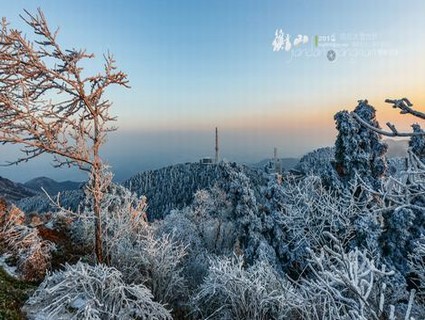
195	65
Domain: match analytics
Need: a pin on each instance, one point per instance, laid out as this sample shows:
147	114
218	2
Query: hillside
13	191
173	187
285	163
52	187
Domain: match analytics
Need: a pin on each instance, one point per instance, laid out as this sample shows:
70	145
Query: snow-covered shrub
117	198
131	245
231	291
211	212
185	230
160	267
97	292
31	253
347	285
359	150
134	247
311	209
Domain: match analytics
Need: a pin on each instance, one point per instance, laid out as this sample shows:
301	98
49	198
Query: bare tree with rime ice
47	104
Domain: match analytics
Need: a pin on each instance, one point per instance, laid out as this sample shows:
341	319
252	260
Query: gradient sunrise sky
194	65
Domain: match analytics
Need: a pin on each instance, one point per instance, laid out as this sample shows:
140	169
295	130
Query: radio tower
216	145
277	166
275	158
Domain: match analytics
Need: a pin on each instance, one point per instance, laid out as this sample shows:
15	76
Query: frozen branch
406	108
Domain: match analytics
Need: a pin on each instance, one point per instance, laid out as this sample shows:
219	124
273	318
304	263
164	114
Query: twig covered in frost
403	190
405	107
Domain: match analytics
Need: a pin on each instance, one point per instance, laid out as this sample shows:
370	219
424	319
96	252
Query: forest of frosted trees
339	237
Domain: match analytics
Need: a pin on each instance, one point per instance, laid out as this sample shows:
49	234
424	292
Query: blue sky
194	65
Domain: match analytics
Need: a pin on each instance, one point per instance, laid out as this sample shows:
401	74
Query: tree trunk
98	231
97	194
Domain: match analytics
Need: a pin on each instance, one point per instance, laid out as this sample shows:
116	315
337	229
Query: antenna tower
216	145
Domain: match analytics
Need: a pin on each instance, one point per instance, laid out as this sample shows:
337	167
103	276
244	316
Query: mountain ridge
51	186
14	191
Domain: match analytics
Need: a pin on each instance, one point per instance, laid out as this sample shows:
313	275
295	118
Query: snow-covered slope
173	187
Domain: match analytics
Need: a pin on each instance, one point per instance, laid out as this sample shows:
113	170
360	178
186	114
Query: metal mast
277	166
216	145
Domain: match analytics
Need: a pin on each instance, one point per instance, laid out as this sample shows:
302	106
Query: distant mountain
51	186
13	191
69	199
285	163
397	148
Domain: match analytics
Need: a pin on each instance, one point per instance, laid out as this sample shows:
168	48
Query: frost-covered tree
417	142
359	150
320	162
205	228
298	213
88	292
49	105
